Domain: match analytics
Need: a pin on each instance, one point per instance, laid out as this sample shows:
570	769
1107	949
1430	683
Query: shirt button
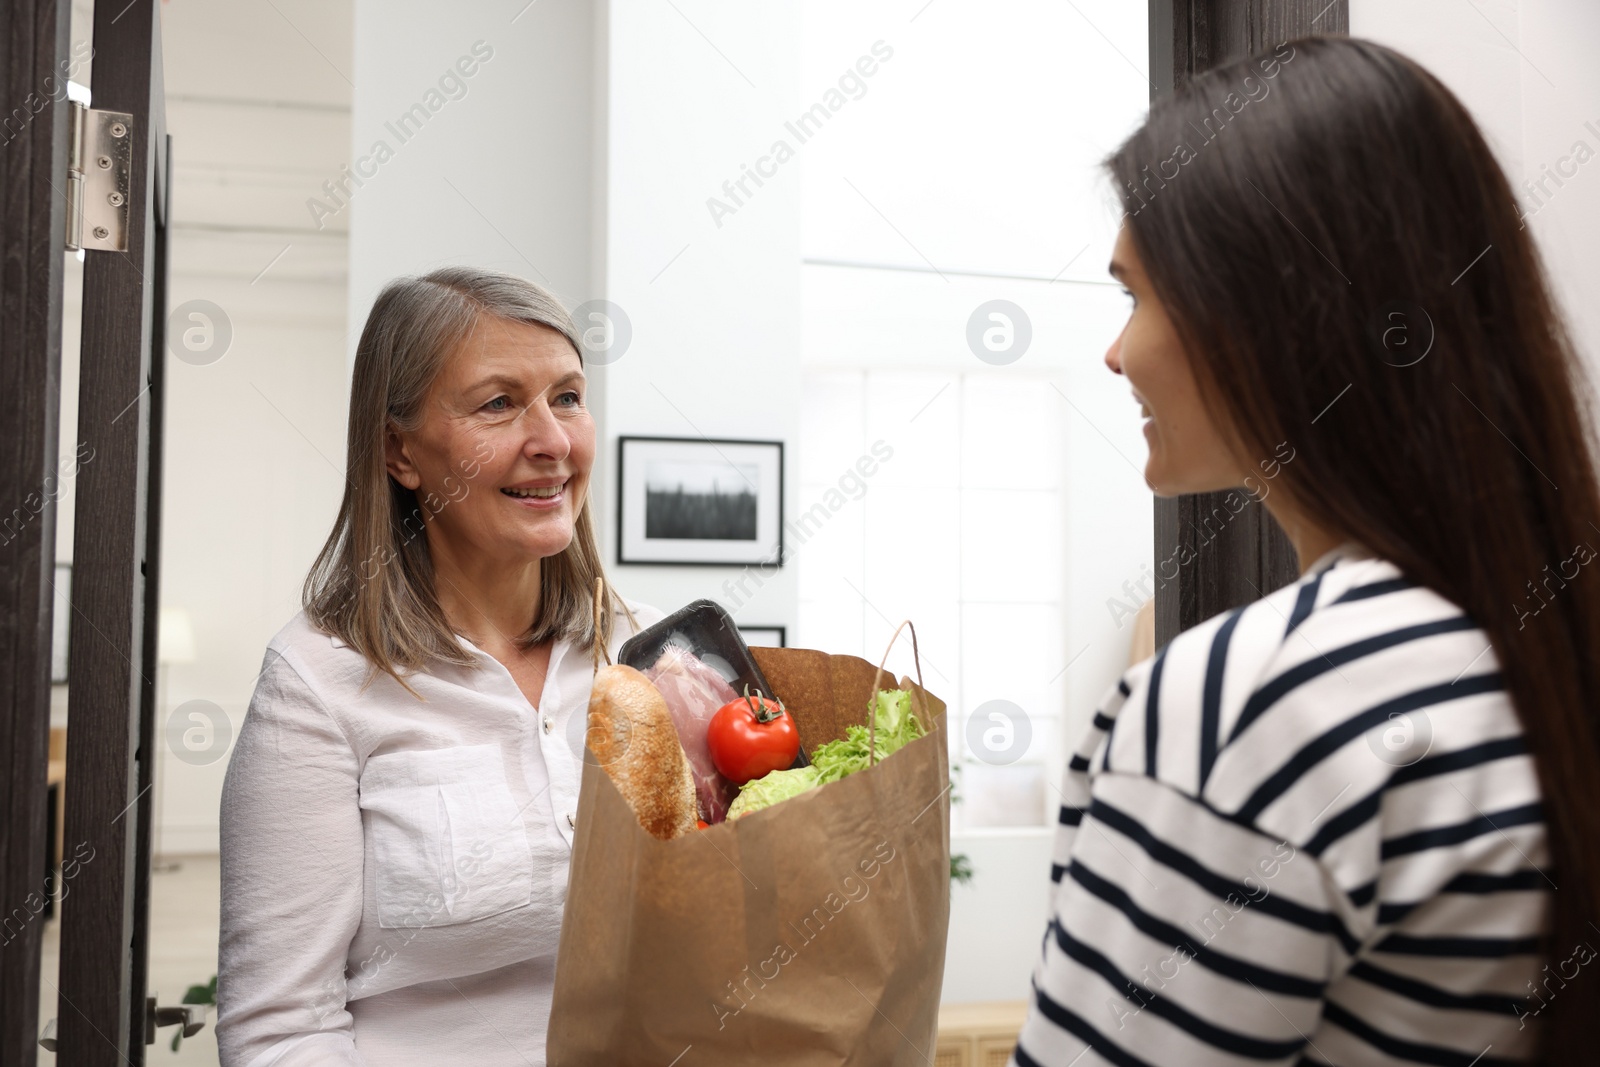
549	724
571	822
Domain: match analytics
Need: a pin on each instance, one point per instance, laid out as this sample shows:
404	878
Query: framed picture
699	501
764	636
61	624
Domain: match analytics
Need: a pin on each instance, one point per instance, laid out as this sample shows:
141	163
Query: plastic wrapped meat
694	693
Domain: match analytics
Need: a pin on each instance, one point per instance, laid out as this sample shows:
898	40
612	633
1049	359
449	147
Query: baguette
633	739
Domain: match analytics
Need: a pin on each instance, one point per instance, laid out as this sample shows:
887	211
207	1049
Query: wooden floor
183	952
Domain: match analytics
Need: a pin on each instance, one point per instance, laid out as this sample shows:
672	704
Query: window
1012	510
959	526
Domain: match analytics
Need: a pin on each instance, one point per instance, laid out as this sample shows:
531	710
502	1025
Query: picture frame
699	501
765	636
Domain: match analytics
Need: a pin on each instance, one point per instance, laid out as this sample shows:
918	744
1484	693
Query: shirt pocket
445	836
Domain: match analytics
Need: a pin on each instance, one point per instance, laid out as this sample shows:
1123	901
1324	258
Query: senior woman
398	814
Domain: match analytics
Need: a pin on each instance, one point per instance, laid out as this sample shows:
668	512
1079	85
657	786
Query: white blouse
394	871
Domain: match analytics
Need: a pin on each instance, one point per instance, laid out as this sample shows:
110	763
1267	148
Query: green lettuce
770	788
896	727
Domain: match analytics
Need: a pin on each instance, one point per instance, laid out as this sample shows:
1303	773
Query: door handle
191	1016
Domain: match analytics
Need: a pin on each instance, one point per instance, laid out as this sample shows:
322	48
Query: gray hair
372	583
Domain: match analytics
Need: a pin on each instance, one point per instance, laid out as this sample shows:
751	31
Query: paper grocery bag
812	932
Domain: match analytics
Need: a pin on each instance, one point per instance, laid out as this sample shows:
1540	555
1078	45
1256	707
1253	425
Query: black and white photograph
713	501
699	500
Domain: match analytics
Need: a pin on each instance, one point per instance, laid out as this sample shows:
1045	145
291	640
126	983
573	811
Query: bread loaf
632	737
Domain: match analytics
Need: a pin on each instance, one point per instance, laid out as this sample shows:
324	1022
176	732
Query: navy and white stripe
1305	831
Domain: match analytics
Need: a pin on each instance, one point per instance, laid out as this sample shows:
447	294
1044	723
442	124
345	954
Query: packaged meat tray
698	661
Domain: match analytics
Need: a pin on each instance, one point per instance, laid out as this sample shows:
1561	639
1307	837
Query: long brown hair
372	584
1345	265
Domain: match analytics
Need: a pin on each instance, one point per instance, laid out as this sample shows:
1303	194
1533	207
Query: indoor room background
918	277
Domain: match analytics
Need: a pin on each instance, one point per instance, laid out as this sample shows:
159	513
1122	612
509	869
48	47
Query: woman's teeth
546	491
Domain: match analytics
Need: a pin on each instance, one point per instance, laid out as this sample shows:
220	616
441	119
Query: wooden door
33	155
102	1017
1249	556
117	156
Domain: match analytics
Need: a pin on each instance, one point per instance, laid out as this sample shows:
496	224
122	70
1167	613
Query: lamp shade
175	642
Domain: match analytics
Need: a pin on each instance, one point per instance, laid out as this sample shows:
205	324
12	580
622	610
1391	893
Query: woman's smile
546	494
1188	450
1144	411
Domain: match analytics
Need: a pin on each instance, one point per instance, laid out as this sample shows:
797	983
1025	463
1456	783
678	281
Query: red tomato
750	736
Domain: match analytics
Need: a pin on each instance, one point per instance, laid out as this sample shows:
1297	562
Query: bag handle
872	699
599	644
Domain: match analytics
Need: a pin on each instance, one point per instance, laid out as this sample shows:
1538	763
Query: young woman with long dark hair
1356	821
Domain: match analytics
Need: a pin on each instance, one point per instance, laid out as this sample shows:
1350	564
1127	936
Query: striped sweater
1305	831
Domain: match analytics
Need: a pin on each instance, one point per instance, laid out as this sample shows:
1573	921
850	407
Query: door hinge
99	183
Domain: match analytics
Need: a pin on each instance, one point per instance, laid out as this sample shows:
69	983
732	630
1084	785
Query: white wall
1526	71
500	175
697	90
581	158
258	111
1560	109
